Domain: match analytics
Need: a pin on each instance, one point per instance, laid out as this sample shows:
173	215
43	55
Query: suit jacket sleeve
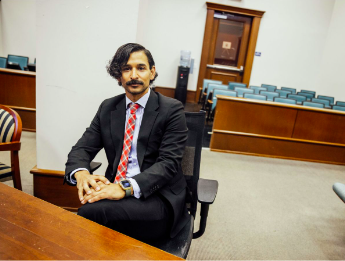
170	151
86	148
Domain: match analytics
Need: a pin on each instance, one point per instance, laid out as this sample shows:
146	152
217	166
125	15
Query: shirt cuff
71	177
136	189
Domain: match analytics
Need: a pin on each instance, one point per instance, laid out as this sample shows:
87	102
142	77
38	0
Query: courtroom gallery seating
284	100
340	103
10	132
313	104
269	87
3	62
270	94
283	93
232	85
202	96
21	60
311	92
308	95
331	99
257	89
298	98
338	108
241	91
255	96
326	102
293	90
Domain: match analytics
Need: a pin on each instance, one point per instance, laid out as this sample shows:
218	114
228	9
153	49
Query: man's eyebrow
142	64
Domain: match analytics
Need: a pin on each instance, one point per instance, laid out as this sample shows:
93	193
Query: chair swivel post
203	220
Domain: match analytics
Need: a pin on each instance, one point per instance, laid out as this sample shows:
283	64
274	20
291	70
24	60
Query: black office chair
201	190
17	62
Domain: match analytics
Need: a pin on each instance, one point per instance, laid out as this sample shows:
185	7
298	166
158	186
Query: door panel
225	77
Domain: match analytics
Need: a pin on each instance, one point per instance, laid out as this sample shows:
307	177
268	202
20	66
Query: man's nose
134	74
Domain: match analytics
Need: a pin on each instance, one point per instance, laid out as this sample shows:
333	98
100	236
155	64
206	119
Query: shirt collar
142	101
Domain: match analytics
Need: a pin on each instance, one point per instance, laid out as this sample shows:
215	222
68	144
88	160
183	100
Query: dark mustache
134	82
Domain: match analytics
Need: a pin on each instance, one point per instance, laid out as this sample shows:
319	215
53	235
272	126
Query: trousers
144	219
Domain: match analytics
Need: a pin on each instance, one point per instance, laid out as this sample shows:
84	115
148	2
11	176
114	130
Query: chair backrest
241	91
221	92
232	85
298	98
340	103
192	155
283	93
293	90
338	108
257	89
331	99
308	95
284	100
21	60
311	92
255	96
270	95
207	81
313	104
3	62
212	86
326	102
269	87
10	125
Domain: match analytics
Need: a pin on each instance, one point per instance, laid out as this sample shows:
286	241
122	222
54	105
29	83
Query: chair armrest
339	189
207	191
10	146
94	166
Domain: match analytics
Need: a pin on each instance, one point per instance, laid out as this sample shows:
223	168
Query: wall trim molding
170	92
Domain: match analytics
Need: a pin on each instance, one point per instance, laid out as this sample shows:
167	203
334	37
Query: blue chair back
255	96
293	90
212	86
205	83
313	104
221	92
257	89
269	87
270	95
339	108
331	99
241	91
308	95
340	103
325	102
311	92
298	98
3	62
21	60
283	93
284	100
232	85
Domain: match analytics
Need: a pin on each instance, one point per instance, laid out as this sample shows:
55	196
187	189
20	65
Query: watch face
125	184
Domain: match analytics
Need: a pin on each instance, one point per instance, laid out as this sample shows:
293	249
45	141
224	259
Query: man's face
136	75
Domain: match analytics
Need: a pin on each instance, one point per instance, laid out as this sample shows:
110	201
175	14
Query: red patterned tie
127	143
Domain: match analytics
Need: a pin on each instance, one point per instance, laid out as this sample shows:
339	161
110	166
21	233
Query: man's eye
141	68
126	69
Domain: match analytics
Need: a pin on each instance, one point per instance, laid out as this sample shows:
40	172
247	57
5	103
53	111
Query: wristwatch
126	186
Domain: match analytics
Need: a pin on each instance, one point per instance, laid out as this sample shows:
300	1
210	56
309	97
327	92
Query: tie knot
133	108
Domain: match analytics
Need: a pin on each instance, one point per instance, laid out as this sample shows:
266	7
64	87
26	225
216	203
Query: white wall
292	38
331	80
75	41
18	22
1	37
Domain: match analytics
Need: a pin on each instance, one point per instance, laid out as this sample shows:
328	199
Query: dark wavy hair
121	57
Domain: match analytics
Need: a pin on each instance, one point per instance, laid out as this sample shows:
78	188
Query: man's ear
153	72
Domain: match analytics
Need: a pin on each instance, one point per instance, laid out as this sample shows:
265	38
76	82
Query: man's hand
86	182
111	191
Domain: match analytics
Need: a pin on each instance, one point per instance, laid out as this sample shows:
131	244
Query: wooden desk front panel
18	91
320	126
241	116
31	228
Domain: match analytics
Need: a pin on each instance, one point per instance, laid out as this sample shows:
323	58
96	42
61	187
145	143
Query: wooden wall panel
170	92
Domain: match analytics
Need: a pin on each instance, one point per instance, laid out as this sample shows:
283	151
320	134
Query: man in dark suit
143	133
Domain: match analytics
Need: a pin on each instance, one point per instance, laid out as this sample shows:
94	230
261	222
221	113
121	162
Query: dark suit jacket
160	148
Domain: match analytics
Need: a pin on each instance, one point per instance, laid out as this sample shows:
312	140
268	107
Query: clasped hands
92	188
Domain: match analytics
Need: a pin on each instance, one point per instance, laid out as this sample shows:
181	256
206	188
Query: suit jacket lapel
150	115
117	129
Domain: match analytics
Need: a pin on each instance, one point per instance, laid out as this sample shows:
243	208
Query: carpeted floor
266	209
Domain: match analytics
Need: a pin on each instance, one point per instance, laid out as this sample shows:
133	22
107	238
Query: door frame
256	16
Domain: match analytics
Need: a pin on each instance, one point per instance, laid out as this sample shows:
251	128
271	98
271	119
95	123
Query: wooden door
228	48
229	44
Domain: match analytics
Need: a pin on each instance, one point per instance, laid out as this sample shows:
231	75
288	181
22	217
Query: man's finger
80	192
86	187
94	185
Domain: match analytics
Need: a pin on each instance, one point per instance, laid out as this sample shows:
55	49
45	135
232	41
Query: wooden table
18	91
31	228
272	129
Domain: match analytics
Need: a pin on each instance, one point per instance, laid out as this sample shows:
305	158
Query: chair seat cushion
180	244
5	171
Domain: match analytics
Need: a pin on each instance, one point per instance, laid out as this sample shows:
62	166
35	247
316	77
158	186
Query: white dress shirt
133	168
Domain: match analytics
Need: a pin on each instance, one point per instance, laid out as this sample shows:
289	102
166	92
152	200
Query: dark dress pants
144	219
